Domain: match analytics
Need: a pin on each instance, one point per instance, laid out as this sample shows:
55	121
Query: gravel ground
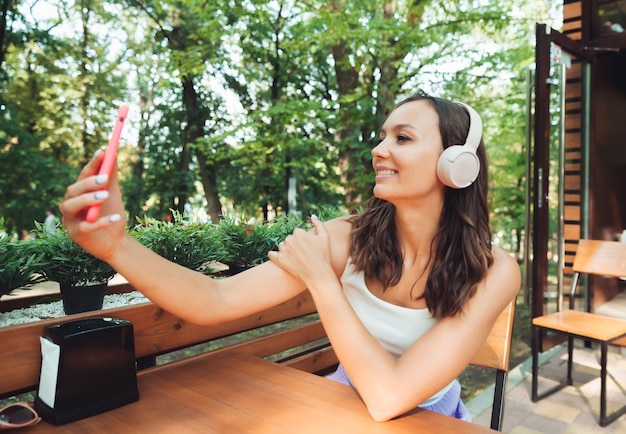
54	309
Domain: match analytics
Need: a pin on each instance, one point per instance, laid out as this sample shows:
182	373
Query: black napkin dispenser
87	368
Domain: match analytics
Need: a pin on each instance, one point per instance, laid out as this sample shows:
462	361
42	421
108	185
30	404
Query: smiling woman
405	159
414	273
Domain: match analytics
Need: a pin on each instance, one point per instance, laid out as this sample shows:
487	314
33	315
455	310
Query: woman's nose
380	150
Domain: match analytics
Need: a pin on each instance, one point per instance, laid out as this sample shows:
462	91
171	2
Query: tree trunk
209	183
352	137
347	83
136	196
196	118
84	97
4	44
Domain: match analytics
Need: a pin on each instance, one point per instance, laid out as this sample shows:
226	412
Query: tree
7	16
192	33
497	87
53	126
250	102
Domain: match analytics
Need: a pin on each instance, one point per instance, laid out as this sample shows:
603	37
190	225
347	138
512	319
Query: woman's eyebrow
398	127
404	126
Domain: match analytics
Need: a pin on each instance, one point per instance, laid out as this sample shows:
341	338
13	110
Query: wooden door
558	173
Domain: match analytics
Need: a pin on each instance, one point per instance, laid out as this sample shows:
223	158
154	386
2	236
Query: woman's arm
183	292
199	298
442	353
387	386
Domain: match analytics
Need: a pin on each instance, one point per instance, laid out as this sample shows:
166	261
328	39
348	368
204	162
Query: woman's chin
379	193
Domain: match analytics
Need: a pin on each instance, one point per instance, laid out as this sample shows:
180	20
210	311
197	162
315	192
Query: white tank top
395	327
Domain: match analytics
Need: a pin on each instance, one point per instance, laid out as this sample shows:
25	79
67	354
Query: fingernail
101	179
98	152
314	217
114	217
102	194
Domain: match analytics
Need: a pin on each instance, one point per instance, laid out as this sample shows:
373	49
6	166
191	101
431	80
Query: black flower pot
236	269
77	299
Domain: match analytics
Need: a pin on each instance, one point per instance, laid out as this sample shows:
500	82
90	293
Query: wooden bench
300	339
290	333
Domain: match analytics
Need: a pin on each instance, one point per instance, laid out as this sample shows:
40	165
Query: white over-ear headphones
458	165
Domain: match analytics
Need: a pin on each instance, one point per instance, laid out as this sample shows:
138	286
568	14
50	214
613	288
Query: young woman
407	291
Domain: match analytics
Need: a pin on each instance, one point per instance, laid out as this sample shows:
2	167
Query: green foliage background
270	105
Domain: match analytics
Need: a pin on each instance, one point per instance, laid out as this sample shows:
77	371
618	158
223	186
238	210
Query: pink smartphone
109	157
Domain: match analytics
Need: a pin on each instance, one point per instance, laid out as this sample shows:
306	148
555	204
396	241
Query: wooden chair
603	258
494	354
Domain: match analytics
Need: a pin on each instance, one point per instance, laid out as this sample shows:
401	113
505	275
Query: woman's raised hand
103	236
305	254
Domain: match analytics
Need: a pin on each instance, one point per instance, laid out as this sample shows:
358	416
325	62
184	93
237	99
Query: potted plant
83	278
17	264
247	244
193	245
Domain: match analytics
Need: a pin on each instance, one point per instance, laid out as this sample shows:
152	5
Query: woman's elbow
386	410
381	417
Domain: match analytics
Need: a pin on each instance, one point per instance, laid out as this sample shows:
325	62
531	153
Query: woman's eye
402	138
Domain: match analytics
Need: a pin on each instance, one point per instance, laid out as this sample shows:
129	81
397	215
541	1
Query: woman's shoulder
339	234
342	223
499	287
505	271
501	258
339	230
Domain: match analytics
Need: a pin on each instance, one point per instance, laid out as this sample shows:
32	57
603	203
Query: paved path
572	410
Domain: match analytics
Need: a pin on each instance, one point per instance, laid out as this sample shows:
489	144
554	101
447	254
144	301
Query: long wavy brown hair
460	253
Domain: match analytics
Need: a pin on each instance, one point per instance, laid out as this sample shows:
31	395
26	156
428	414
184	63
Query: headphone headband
476	127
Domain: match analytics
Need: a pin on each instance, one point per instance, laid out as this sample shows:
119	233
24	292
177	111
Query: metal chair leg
605	420
499	398
535	394
535	358
570	359
603	357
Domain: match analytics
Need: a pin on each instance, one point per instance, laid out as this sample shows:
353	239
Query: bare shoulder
339	224
503	261
497	289
504	276
339	233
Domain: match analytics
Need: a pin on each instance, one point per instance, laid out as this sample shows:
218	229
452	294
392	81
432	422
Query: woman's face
405	160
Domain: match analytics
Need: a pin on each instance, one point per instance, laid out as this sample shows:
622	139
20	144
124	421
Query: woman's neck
416	229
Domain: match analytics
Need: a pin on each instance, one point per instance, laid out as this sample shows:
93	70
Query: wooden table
242	394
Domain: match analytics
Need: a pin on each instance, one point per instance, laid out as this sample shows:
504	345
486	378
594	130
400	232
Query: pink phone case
109	157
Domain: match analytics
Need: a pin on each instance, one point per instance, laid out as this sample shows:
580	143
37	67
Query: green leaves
247	242
237	242
65	262
195	246
241	101
18	262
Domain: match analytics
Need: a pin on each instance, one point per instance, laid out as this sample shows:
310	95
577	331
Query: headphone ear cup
458	166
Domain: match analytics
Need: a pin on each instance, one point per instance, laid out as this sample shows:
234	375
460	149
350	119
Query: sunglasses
18	415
